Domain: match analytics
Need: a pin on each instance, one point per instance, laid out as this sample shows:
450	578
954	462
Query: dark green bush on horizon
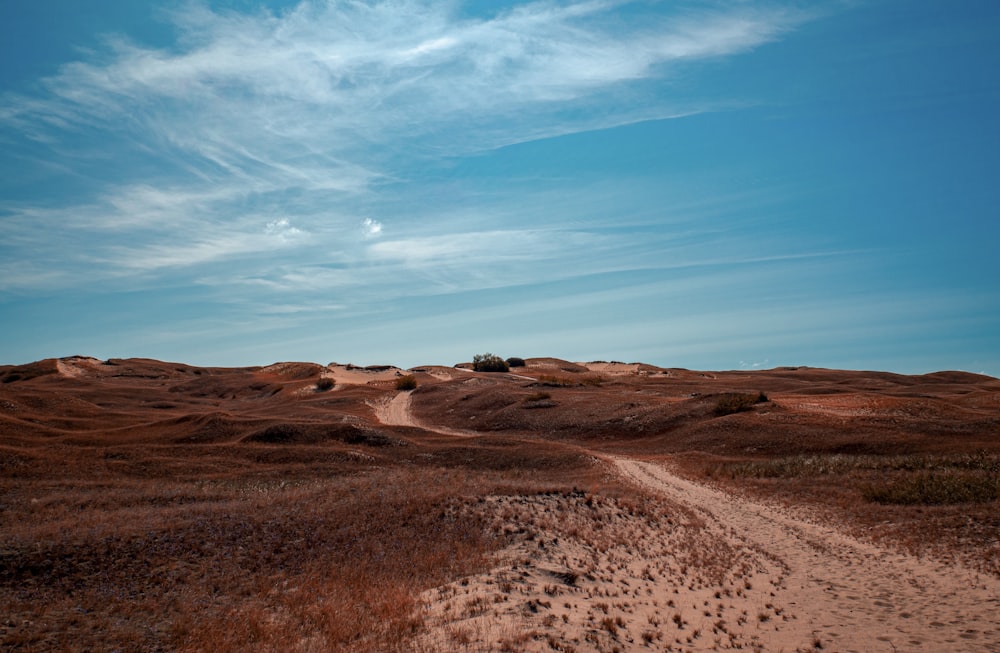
489	363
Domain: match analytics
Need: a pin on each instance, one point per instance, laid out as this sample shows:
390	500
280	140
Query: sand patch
352	375
698	570
590	573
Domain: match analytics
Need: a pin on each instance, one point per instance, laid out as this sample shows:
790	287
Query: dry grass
930	488
323	551
915	479
838	464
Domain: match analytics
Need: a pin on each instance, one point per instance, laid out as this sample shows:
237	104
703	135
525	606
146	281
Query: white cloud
371	228
282	229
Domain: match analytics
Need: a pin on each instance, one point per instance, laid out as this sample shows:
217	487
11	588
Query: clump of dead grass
735	402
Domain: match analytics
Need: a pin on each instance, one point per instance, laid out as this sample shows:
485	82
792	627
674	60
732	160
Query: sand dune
148	505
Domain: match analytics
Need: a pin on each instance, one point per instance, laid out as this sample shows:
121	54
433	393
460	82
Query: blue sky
711	185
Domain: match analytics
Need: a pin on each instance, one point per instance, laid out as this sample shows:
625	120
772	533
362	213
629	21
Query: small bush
324	384
489	363
406	382
516	362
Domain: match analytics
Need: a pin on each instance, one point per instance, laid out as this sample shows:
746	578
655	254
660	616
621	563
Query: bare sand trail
398	411
395	411
852	594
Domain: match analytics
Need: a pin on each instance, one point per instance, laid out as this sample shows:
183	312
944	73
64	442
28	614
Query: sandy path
398	411
395	411
838	590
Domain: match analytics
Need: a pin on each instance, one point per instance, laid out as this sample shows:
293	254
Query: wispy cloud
267	133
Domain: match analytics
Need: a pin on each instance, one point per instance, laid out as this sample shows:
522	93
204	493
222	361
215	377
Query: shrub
489	363
516	362
407	382
325	383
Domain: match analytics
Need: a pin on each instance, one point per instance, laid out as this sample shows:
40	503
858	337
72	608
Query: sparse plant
609	625
324	384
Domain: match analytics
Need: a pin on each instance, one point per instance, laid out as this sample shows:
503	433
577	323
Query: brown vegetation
157	506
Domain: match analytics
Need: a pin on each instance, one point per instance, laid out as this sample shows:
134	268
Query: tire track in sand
852	594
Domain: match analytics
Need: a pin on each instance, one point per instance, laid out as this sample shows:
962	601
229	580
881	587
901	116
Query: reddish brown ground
157	506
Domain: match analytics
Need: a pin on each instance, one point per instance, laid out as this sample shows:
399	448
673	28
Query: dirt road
840	590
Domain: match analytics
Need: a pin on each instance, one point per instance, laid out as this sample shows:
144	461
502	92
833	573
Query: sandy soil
589	573
852	594
762	579
701	571
349	375
395	410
